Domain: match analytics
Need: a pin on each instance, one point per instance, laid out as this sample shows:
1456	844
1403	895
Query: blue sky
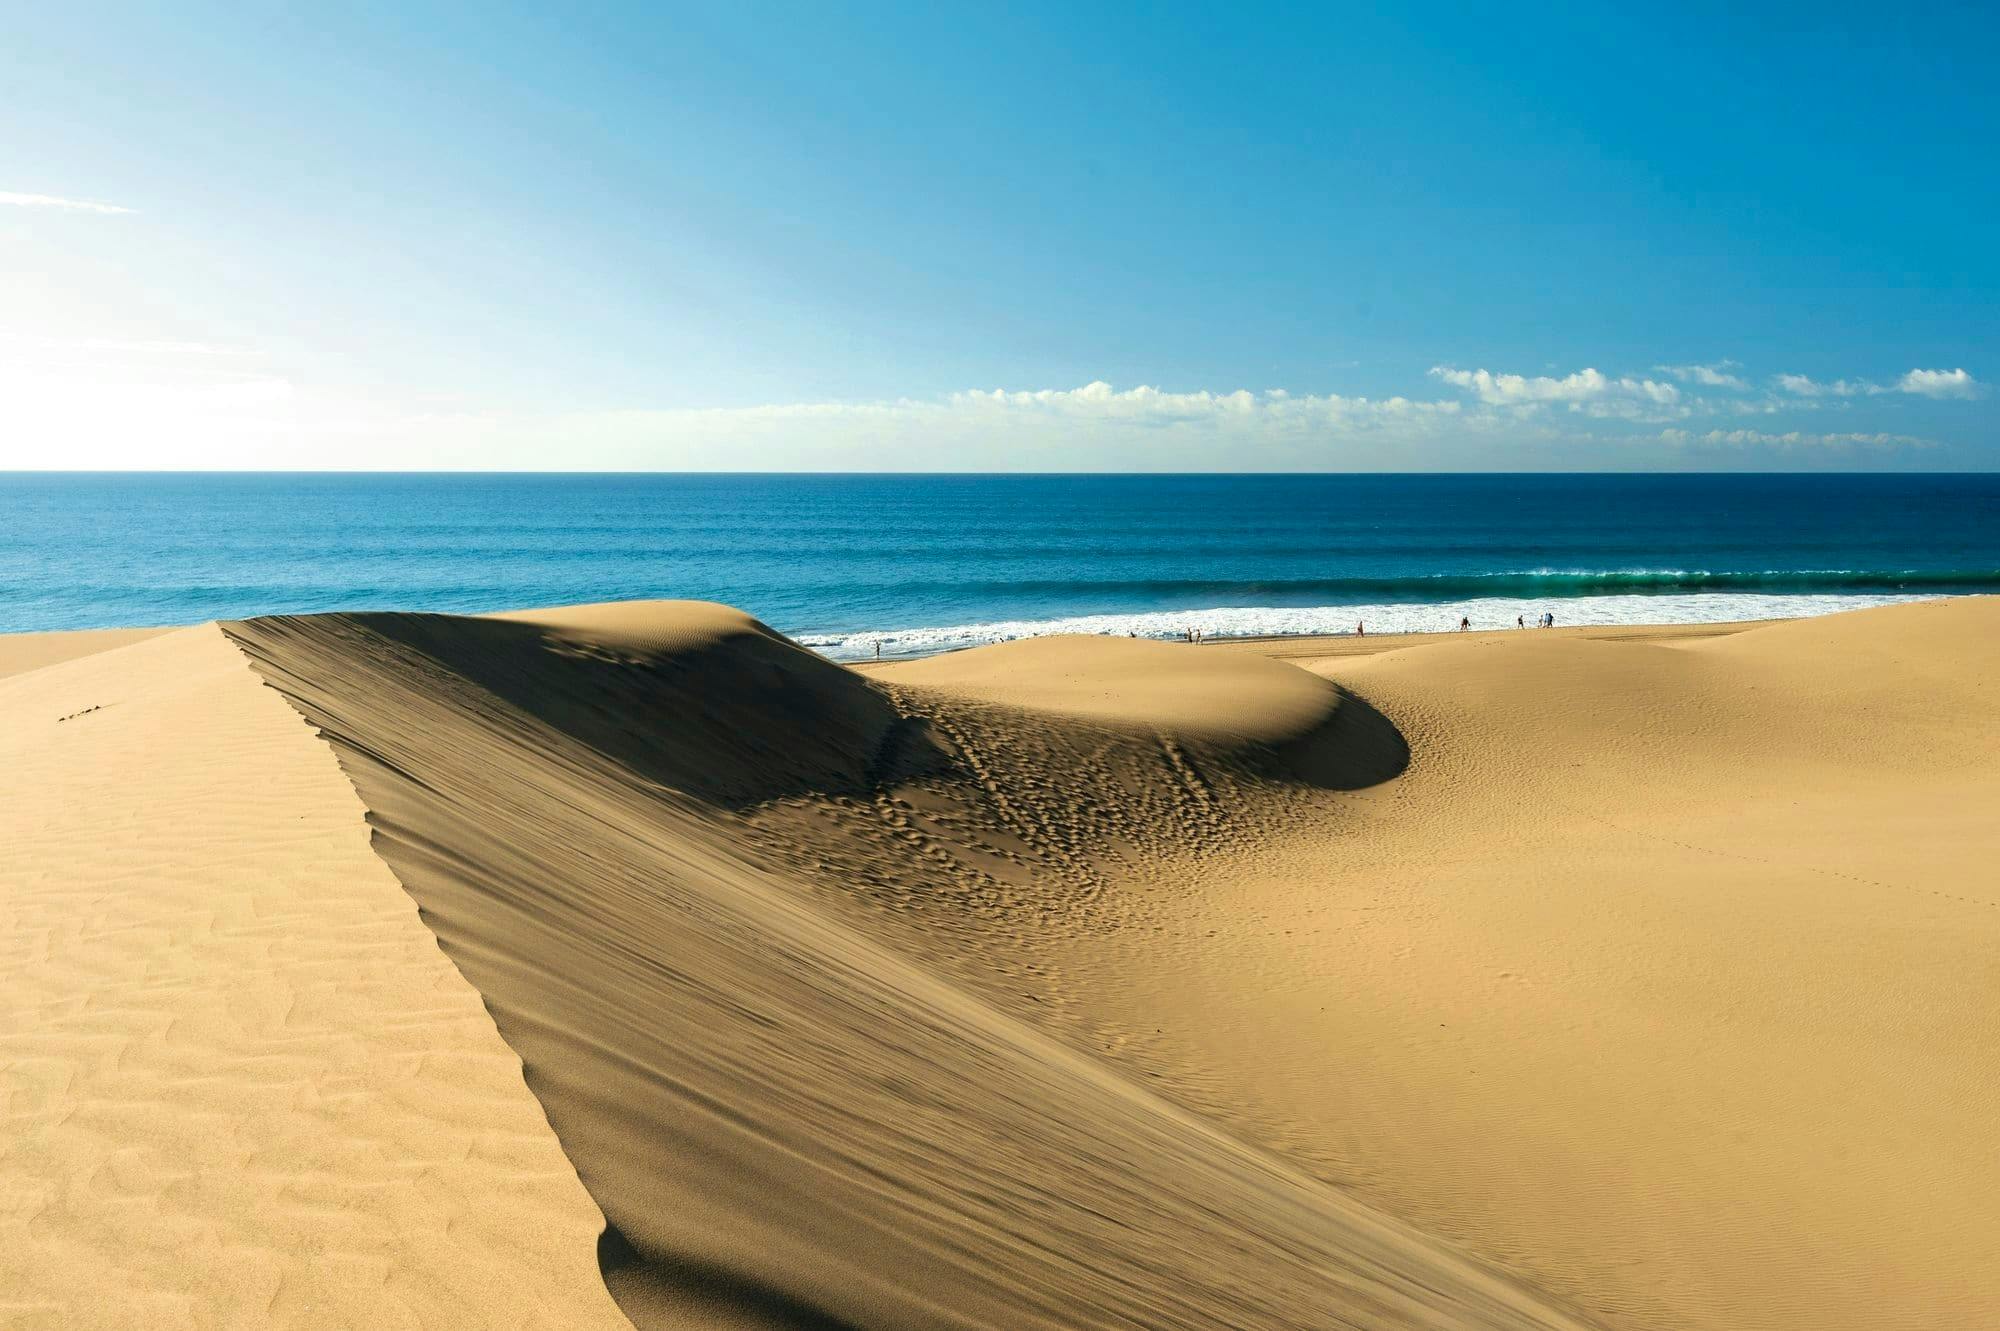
907	237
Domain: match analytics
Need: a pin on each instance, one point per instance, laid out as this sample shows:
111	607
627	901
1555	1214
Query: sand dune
787	1118
1668	972
1514	980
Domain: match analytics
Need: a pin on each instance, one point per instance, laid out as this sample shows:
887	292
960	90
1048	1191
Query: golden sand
1627	979
242	1087
22	652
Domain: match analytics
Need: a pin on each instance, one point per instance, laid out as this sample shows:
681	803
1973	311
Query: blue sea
923	563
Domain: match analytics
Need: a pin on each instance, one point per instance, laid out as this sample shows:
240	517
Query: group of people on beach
1545	621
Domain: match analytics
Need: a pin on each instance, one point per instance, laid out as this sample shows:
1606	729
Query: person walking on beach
1464	623
1520	621
1360	629
1552	619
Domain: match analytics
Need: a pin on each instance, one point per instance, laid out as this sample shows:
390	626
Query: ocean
925	563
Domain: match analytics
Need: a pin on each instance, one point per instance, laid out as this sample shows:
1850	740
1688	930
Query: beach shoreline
1317	645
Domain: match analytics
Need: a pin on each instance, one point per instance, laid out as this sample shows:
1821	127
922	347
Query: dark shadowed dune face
666	708
700	878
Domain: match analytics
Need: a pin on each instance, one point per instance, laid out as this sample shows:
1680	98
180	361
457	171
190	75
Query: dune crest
785	1118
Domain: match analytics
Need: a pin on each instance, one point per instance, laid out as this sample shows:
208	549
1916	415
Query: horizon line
986	474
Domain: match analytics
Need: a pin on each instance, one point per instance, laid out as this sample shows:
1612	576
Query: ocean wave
1379	617
1446	586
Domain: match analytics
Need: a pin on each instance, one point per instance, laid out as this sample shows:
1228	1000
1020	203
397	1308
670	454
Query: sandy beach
631	963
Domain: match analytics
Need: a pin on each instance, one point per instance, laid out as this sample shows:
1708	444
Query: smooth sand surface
22	652
1669	973
1638	979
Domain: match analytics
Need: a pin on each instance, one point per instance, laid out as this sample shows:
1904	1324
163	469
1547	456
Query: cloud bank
1695	390
1922	383
1789	440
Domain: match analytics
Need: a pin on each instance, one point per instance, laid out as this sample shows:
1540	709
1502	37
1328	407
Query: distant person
1360	629
878	649
1552	619
1520	621
1464	623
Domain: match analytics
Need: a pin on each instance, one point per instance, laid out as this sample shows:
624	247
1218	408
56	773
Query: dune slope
804	1097
1669	972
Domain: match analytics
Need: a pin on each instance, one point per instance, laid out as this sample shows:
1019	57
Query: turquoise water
924	562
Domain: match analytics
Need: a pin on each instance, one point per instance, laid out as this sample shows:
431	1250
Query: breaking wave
1662	606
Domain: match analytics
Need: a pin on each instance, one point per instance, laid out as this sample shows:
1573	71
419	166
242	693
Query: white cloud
1787	440
1708	376
1923	383
1939	383
65	205
1637	399
1135	424
1588	391
1146	404
1096	401
1095	427
1799	385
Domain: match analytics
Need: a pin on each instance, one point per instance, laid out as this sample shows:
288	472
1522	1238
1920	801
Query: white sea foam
1244	621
